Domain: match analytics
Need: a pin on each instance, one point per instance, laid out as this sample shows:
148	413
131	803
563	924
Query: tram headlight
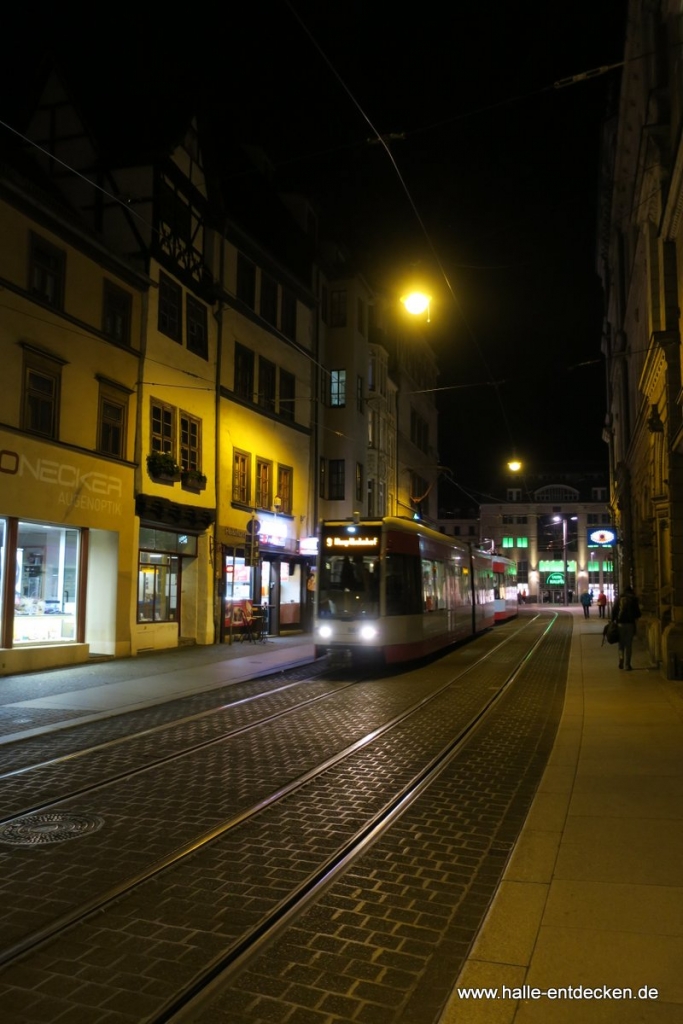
325	632
368	632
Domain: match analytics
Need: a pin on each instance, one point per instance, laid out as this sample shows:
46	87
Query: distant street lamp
514	465
416	303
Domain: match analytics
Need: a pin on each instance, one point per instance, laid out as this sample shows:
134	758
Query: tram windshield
348	586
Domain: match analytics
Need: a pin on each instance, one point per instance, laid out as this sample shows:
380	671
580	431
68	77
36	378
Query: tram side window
451	586
486	589
403	585
456	585
433	590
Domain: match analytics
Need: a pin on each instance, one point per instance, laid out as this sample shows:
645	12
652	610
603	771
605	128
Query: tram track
77	737
103	751
99	757
126	889
184	1005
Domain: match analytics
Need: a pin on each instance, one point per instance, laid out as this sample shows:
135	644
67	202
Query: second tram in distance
396	589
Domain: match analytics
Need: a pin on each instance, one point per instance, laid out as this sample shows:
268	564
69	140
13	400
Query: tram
506	600
395	590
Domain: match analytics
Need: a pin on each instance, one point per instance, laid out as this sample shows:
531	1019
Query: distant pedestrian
586	601
626	612
602	604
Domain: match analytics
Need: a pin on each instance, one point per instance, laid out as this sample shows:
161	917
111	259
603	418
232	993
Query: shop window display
45	584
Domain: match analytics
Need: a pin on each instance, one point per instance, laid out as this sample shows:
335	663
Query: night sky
493	199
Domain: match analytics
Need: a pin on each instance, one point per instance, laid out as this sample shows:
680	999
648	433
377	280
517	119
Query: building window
284	488
111	426
268	304
266	384
554	492
175	213
599	494
373	429
241	483
359	393
47	272
419	431
338	387
508	520
336	480
288	316
116	313
456	531
287	395
508	542
197	335
170	308
522	542
264	482
514	494
190	442
359	481
338	308
162	434
42	385
322	477
522	571
372	499
244	373
521	520
246	280
377	371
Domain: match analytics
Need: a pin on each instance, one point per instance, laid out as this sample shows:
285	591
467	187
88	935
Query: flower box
162	467
192	480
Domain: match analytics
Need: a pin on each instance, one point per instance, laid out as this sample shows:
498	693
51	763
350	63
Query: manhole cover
38	829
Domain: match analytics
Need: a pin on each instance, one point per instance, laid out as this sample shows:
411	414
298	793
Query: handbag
611	632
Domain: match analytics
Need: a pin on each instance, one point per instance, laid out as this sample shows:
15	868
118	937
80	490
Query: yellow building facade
266	509
70	339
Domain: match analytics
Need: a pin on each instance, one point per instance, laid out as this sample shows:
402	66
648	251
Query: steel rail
102	900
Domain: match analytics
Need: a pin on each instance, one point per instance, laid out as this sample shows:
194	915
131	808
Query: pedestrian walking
602	604
625	613
586	601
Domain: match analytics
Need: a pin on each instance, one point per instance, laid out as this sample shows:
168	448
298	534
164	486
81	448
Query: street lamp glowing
514	465
416	302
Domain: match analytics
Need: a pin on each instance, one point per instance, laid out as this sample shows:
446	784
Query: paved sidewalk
593	894
101	689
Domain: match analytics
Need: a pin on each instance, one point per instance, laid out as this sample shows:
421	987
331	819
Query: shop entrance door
270	595
290	596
